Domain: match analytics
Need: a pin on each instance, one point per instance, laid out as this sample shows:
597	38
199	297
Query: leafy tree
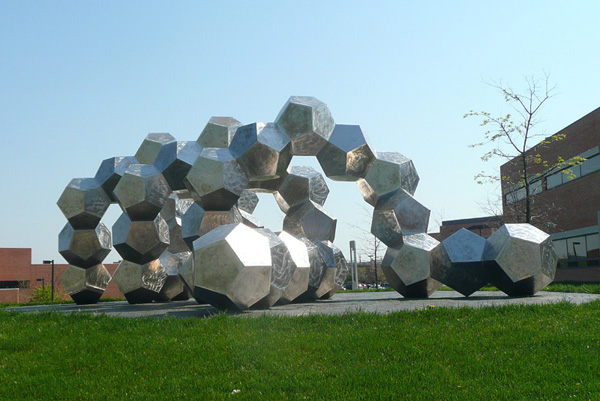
510	137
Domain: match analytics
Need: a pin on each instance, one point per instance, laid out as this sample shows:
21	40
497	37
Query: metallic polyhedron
310	220
84	202
397	214
390	172
142	191
140	283
140	241
175	288
347	156
299	254
250	220
327	284
172	212
461	265
216	180
301	184
110	172
232	267
308	123
84	248
196	222
342	270
267	186
408	268
521	259
316	271
159	150
187	275
248	201
263	149
282	272
219	132
85	286
179	166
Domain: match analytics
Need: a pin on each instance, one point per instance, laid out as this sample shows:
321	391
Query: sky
84	81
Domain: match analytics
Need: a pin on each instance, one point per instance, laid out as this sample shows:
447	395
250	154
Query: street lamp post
51	262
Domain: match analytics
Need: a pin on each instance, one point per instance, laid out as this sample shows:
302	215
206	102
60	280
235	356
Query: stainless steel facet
460	265
248	201
85	286
342	270
327	284
282	271
84	248
110	172
301	184
310	220
232	267
179	166
191	224
84	202
408	268
267	186
187	275
159	150
299	254
347	156
308	123
140	241
216	180
263	149
175	288
250	220
521	259
219	132
140	283
396	214
316	271
142	191
172	212
389	172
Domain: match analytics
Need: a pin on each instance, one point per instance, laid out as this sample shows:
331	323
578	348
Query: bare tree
510	137
369	245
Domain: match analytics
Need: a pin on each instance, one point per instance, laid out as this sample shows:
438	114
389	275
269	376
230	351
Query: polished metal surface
308	123
347	156
327	251
282	271
85	286
110	172
142	191
172	212
263	149
219	132
301	184
341	272
396	214
460	265
191	224
316	271
250	220
408	268
248	201
521	259
216	180
140	283
175	288
232	267
389	172
299	253
310	220
84	202
267	186
187	275
84	247
159	150
140	241
177	168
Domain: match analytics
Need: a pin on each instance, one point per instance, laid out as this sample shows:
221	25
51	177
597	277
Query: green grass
547	352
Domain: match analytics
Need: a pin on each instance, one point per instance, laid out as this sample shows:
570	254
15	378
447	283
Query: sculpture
187	227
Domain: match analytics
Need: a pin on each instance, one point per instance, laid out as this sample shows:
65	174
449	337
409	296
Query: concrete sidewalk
342	302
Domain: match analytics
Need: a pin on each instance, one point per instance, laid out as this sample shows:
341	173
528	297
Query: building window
554	180
14	284
591	165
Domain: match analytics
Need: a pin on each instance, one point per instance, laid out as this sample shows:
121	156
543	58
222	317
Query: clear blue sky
84	81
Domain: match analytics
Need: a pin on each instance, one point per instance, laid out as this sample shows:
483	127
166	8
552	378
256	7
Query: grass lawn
547	352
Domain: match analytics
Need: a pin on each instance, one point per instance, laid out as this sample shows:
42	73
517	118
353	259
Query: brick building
19	277
566	205
482	226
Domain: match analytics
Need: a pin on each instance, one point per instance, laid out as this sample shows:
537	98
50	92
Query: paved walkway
342	302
